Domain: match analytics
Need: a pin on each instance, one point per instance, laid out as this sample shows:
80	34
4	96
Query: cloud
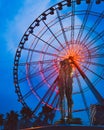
28	12
25	16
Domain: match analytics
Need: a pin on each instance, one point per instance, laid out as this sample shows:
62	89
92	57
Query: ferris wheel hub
77	51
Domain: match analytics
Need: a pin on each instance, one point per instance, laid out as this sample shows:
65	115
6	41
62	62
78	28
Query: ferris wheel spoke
97	56
94	63
53	35
46	42
50	76
81	30
41	52
44	97
35	74
95	39
49	95
40	103
36	62
55	101
80	110
82	94
52	91
93	72
40	84
72	20
93	28
96	48
62	27
97	95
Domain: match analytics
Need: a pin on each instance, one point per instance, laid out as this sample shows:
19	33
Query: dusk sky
16	16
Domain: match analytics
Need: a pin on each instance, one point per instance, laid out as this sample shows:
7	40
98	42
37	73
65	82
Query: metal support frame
90	85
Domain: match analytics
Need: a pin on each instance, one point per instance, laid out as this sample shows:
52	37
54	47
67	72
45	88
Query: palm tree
26	114
11	121
1	121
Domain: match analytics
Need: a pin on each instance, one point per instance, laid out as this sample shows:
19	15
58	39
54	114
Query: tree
11	121
1	121
26	117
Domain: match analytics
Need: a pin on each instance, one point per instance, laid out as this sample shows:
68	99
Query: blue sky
16	16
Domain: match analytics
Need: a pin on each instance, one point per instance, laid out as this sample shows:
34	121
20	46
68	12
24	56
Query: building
97	114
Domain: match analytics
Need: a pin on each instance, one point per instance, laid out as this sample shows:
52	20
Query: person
65	87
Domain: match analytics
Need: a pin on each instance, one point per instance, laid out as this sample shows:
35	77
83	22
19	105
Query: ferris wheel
71	28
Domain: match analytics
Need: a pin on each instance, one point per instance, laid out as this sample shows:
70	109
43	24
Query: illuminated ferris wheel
71	28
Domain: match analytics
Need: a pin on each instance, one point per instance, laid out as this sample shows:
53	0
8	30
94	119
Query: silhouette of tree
1	121
6	125
26	114
45	117
11	121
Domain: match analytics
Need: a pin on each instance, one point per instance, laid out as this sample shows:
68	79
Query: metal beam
90	85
